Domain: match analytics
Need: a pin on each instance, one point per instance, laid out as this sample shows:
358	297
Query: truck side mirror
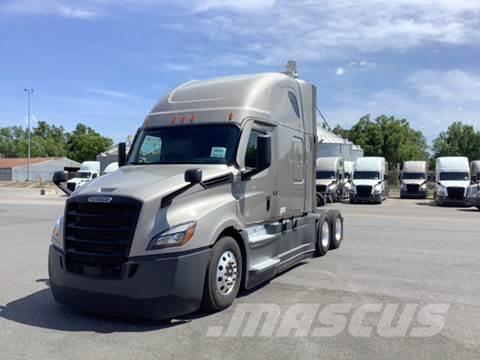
264	152
399	177
385	177
429	178
59	177
193	176
473	179
122	154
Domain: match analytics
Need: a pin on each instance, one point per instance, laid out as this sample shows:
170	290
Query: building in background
332	145
41	169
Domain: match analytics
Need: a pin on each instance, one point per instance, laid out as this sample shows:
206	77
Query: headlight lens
442	190
377	188
57	236
353	189
175	236
402	186
331	187
424	186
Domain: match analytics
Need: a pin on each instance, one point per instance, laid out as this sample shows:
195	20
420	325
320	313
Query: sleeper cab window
251	151
294	103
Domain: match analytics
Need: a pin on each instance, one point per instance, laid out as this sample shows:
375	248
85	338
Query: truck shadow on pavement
40	310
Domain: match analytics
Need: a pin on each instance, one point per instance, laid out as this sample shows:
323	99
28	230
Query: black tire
334	197
352	201
320	200
321	247
213	299
336	223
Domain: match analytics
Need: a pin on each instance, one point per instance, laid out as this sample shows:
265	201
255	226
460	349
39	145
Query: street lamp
29	92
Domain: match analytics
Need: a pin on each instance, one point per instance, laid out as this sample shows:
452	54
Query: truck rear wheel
323	236
224	275
336	229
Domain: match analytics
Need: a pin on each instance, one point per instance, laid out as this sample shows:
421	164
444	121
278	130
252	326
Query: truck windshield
454	176
326	175
366	175
413	176
189	144
82	175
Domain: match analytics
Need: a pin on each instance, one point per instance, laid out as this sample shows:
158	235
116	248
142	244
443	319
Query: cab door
255	193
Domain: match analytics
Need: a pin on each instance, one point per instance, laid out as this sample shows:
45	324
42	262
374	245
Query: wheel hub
226	272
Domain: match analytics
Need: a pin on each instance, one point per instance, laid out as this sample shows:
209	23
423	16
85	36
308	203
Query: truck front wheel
224	275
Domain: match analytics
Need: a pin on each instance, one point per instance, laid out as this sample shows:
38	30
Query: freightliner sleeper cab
216	194
452	179
370	180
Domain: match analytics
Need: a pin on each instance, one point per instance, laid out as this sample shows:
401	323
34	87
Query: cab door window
251	151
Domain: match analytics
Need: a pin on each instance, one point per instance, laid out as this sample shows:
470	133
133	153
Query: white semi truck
452	179
216	194
329	178
370	180
347	179
89	170
413	180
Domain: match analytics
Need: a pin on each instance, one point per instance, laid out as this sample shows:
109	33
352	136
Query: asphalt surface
402	253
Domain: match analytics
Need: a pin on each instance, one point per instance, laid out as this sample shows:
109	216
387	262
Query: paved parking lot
399	254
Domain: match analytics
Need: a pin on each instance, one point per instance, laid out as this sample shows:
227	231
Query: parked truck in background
413	179
452	179
370	180
89	170
473	192
329	178
216	194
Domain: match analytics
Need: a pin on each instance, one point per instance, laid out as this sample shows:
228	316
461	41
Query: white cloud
447	86
177	66
118	95
339	71
68	9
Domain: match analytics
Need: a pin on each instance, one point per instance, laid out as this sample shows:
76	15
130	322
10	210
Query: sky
106	62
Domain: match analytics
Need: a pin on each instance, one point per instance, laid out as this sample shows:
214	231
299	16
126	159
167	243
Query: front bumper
418	194
161	287
444	199
366	199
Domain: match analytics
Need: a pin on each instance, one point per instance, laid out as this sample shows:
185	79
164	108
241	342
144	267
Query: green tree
84	143
389	137
458	140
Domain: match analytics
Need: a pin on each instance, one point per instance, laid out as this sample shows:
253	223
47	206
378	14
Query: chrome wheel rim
338	229
325	234
226	272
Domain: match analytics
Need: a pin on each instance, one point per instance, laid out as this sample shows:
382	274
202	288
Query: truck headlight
442	191
424	186
402	186
331	187
175	236
57	236
377	189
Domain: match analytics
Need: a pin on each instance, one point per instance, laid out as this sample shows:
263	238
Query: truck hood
146	181
447	183
358	182
413	181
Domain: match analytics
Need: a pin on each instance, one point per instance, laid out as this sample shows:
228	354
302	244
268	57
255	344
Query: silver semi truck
216	194
413	180
329	178
370	180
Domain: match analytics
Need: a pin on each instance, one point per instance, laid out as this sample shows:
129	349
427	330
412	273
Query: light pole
29	92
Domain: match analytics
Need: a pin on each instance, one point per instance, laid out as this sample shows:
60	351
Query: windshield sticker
218	152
